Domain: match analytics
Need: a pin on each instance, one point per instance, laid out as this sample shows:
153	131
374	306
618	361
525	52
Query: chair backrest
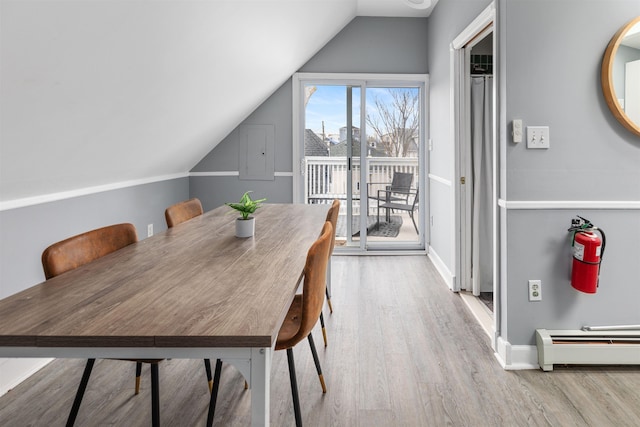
86	247
315	275
401	181
183	211
332	217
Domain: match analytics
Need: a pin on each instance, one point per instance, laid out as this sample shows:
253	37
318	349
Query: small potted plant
245	226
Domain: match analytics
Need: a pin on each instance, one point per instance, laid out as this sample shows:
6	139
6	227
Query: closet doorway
475	108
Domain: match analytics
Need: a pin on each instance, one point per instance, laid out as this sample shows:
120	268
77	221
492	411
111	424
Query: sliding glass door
362	142
332	134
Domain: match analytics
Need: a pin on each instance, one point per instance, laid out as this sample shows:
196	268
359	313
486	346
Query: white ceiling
100	92
399	8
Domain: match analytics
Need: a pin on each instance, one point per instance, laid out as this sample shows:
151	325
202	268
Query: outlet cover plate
535	290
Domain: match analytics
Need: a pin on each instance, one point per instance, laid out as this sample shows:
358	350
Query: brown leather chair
301	318
81	249
183	211
332	217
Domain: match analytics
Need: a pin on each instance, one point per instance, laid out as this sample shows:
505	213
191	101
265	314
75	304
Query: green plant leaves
246	206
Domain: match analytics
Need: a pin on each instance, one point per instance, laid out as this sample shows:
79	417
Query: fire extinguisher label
598	250
578	251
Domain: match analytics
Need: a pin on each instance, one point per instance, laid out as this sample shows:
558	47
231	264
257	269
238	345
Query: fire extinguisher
588	249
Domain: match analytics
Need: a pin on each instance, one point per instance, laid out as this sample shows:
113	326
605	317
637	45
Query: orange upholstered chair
81	249
183	211
302	316
332	217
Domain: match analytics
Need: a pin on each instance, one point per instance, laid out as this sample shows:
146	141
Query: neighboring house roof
340	150
313	145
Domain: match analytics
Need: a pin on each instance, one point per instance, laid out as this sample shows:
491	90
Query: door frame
364	80
460	76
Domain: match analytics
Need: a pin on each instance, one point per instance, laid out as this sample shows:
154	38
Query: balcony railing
326	177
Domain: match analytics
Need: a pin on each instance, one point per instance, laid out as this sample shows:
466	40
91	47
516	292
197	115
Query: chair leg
138	374
214	393
80	393
207	367
414	221
324	330
294	387
327	289
155	395
317	362
329	303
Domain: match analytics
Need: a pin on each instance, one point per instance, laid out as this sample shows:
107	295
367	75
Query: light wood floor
403	351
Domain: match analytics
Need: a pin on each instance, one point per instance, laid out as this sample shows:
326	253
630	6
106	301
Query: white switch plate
535	290
149	230
537	136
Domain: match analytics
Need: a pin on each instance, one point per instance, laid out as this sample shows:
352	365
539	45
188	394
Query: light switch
537	136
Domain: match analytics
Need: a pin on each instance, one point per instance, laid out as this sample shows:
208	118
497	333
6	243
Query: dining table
194	291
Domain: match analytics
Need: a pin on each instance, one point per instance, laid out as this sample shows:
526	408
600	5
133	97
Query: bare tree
396	122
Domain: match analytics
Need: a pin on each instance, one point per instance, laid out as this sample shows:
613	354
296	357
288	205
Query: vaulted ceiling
99	92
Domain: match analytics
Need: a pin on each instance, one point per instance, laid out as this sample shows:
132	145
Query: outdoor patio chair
400	205
398	191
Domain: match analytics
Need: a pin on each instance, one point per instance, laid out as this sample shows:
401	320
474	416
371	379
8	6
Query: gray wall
366	45
25	232
548	78
449	19
592	159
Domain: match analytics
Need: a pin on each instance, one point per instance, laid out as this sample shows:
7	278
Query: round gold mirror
621	75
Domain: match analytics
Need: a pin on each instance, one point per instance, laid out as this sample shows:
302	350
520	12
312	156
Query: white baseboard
516	357
442	268
14	371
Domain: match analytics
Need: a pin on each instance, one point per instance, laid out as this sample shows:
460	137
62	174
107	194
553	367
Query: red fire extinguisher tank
587	252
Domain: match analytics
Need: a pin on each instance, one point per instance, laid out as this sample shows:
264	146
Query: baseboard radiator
580	347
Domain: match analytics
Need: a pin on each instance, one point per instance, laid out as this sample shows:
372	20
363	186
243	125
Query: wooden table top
195	285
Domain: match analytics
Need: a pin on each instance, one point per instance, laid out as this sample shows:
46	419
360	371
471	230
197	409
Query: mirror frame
607	78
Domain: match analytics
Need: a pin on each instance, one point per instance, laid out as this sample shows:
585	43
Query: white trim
53	197
459	77
475	27
439	179
516	357
481	312
568	204
441	267
358	77
232	173
297	133
215	173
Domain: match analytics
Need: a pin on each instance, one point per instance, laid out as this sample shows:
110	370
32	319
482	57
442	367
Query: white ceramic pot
245	227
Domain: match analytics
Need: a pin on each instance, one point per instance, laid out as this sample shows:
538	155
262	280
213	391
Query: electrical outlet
149	230
535	290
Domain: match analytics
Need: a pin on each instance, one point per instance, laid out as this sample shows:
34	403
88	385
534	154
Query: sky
329	104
